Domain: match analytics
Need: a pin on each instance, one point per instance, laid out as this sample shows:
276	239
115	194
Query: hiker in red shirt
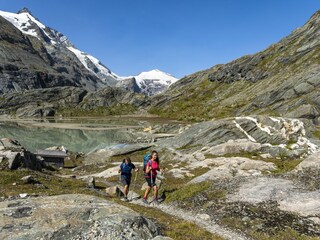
151	175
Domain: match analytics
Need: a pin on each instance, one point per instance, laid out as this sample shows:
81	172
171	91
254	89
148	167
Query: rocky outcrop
311	162
284	192
259	134
80	217
15	156
51	101
41	102
231	167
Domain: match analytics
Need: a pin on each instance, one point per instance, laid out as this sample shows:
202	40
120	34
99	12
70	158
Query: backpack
146	159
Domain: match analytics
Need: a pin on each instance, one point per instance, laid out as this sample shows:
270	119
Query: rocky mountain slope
36	56
71	101
282	80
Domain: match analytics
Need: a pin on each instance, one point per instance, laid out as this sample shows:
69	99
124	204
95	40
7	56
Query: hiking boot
156	202
145	201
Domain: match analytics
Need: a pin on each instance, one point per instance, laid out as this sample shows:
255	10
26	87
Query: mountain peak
155	73
24	10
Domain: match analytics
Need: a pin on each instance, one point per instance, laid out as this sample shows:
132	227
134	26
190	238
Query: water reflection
78	140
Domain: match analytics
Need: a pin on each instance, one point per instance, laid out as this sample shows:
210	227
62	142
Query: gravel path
207	224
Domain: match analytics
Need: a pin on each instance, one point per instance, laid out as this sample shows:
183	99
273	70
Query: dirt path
209	225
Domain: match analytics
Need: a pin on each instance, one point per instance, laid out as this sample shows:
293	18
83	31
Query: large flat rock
71	217
311	162
289	197
224	167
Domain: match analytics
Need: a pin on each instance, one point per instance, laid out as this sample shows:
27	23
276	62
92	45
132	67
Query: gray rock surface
289	197
223	167
264	133
16	156
313	162
233	147
14	160
114	192
102	154
72	217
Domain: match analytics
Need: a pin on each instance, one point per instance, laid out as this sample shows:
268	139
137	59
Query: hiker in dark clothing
125	170
152	167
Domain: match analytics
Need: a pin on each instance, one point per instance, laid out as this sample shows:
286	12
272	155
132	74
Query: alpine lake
81	134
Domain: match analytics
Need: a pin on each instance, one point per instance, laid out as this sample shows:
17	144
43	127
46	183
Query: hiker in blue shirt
125	170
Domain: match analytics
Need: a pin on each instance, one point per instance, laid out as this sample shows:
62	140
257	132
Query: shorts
125	180
151	182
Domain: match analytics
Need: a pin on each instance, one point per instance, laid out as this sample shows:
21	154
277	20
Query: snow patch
85	58
23	21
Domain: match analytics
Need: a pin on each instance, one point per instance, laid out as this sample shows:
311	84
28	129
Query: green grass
188	191
173	227
284	165
50	184
317	134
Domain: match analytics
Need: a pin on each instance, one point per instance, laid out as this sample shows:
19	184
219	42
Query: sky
176	36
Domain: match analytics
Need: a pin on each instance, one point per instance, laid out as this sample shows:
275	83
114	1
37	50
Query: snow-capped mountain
154	81
77	67
29	25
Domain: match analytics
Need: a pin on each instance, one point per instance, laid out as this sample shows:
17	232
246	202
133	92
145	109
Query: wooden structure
52	157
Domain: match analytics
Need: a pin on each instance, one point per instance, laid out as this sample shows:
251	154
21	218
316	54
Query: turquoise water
78	140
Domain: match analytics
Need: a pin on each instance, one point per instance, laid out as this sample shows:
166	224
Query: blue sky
176	36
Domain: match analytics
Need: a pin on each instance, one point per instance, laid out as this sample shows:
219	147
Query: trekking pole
151	180
162	182
118	188
134	184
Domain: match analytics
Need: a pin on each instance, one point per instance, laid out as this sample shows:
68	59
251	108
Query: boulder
14	160
114	192
223	167
72	217
27	179
313	162
10	144
91	182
